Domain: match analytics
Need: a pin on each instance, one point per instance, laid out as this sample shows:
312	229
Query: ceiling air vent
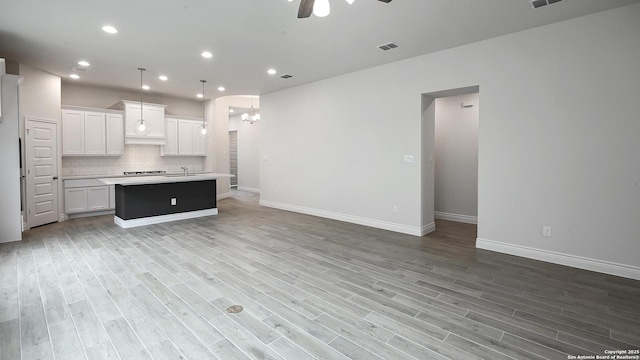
286	76
79	69
387	46
540	3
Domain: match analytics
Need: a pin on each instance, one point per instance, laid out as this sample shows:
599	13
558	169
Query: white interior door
41	151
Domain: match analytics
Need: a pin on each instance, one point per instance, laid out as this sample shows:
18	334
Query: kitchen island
145	200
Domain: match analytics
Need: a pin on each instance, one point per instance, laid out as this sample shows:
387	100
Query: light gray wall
98	97
456	158
248	153
40	98
10	223
39	94
558	141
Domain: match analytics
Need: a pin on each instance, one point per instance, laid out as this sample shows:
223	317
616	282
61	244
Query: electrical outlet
408	158
173	201
395	209
546	231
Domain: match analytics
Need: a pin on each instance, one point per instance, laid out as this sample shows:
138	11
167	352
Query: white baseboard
163	218
428	228
606	267
385	225
249	189
456	217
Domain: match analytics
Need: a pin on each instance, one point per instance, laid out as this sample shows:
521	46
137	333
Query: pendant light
141	127
203	130
251	116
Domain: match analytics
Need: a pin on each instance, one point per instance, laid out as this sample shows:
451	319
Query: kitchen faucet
186	170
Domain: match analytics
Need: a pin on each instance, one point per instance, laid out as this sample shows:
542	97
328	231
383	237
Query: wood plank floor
311	288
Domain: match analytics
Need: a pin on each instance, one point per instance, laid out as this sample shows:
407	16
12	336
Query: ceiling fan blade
386	1
305	9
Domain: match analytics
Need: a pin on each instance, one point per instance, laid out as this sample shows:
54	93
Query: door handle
55	178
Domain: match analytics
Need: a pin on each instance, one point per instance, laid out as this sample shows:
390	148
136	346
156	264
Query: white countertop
160	179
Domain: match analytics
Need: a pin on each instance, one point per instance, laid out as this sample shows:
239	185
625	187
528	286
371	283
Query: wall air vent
79	69
286	76
387	46
540	3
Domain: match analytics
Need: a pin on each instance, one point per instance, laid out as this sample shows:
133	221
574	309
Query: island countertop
160	179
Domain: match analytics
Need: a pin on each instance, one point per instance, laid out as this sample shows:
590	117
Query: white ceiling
249	36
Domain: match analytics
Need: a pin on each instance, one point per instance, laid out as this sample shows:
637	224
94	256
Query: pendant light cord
203	81
141	70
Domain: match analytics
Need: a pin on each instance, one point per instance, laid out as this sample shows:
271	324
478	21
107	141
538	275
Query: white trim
385	225
607	267
87	214
248	189
428	229
467	219
163	218
223	196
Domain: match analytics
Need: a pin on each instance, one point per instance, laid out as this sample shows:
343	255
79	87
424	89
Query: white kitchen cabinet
115	134
91	133
75	200
97	198
94	133
199	142
72	132
87	195
183	138
170	147
153	114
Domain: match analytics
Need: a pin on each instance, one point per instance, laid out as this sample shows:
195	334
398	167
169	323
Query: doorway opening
233	158
450	156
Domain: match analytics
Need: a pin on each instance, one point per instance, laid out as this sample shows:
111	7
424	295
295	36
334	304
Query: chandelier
251	116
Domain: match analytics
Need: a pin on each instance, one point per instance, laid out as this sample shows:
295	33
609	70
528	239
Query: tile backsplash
135	158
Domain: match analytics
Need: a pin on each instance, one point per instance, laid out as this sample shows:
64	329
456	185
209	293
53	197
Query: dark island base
138	205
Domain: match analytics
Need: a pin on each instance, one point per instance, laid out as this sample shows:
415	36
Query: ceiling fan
306	7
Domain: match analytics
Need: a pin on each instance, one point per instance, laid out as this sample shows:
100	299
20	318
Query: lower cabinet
86	195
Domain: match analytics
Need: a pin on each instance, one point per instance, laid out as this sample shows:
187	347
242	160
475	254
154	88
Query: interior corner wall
456	158
558	141
40	94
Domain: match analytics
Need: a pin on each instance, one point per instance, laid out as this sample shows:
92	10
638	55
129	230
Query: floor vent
234	309
540	3
387	46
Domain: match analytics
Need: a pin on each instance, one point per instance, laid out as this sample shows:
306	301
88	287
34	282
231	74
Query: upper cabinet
183	138
91	133
152	113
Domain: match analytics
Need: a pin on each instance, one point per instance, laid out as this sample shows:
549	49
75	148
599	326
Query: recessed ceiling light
221	88
74	76
272	71
231	111
109	29
200	96
83	63
206	55
145	87
163	78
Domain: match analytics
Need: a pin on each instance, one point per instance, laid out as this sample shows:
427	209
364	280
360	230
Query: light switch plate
173	201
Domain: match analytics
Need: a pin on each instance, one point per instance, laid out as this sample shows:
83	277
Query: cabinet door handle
55	178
